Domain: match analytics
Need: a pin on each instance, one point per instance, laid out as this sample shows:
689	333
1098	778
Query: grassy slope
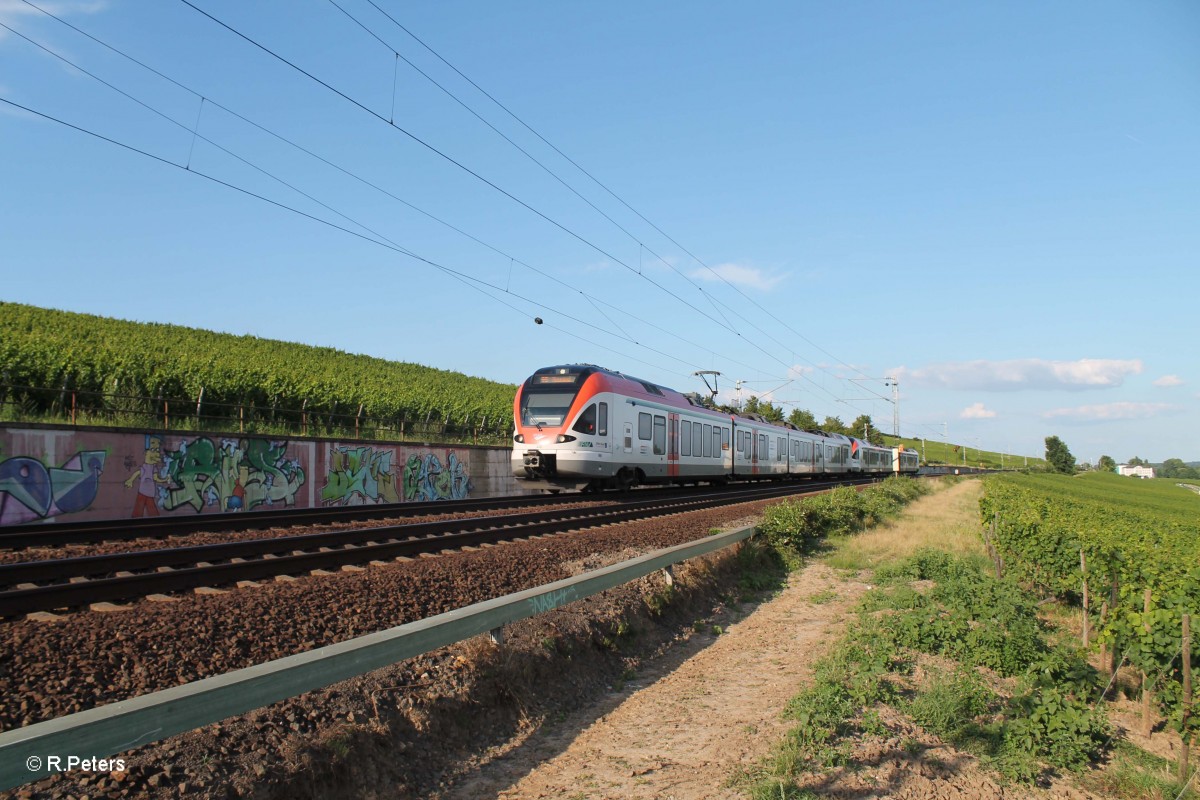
948	522
941	453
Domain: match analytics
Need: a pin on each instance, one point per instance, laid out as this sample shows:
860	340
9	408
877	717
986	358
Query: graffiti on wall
30	491
359	475
426	478
232	475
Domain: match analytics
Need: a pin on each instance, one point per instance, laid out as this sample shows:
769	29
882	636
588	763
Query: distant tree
802	419
1059	456
1138	462
768	410
1086	466
833	425
1106	464
1175	468
864	428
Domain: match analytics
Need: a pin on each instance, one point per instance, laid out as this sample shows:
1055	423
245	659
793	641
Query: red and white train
585	427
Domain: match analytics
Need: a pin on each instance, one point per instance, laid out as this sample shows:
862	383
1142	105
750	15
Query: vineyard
1128	553
60	365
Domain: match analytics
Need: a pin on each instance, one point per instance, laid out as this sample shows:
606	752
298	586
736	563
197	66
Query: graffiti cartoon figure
147	479
237	497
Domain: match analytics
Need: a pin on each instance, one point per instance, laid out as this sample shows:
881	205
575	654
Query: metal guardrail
117	727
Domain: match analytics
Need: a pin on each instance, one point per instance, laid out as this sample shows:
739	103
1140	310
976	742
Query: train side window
660	435
587	421
644	427
716	442
706	441
685	441
602	423
724	438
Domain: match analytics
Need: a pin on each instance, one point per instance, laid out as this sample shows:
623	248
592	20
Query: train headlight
564	438
520	438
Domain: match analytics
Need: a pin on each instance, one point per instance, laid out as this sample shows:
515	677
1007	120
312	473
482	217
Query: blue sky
998	205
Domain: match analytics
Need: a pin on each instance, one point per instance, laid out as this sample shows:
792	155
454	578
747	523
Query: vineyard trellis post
1086	621
1147	721
1104	642
1186	713
1113	594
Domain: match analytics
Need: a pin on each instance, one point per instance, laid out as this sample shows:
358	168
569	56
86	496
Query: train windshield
545	405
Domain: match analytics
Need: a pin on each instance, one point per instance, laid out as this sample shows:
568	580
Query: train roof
576	374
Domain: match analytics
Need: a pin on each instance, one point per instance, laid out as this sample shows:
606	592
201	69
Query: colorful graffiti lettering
359	475
31	491
236	475
426	479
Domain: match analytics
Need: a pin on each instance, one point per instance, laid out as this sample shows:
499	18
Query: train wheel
626	480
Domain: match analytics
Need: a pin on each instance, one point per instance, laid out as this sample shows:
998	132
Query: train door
672	445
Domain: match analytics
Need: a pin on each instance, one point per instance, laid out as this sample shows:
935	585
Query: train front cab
564	433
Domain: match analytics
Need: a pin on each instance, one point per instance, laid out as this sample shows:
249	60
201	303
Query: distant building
1137	472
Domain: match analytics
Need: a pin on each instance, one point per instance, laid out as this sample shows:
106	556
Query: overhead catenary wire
469	171
512	259
204	100
471	281
606	188
748	340
712	300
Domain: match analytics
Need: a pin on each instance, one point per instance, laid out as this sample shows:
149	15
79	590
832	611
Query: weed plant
960	612
795	527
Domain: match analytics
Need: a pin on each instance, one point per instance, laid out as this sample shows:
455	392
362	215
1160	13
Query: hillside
114	371
933	452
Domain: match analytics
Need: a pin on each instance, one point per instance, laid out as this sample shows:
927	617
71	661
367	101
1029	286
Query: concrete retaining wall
59	474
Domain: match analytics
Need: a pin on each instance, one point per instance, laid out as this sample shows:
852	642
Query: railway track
53	584
20	537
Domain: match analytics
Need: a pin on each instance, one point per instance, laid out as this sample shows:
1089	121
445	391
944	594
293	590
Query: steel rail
19	537
180	569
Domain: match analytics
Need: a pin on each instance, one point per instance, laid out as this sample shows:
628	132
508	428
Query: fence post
1147	722
72	406
1186	715
1104	644
199	400
1113	592
241	419
1086	621
357	417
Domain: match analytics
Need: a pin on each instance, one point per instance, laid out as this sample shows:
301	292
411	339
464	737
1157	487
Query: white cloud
1023	374
12	10
1110	411
1167	381
738	275
977	411
800	370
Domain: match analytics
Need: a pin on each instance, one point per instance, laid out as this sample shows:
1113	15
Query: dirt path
686	728
685	734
